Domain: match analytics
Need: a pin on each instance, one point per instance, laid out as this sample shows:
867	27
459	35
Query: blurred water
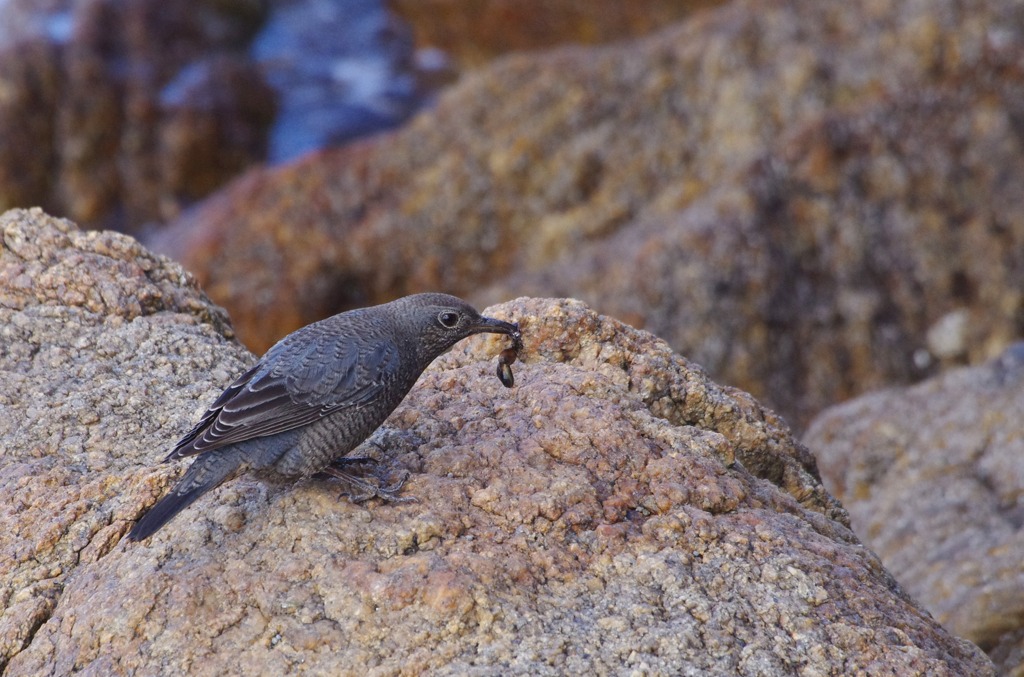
341	68
21	19
59	25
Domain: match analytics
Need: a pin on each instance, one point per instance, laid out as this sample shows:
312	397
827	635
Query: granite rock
102	347
615	511
876	246
933	477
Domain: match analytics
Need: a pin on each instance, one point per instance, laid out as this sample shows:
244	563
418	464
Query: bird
316	395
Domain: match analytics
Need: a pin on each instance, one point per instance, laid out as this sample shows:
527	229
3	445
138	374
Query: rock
31	83
474	33
102	347
215	115
825	270
754	185
616	510
947	338
933	477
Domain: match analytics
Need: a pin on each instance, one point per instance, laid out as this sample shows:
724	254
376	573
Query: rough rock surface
748	184
594	519
102	347
933	476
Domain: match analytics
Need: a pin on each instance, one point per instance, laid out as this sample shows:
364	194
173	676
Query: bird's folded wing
292	387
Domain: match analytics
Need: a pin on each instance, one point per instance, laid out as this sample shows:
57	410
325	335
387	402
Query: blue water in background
341	68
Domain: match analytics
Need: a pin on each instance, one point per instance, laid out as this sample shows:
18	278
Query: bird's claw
369	487
387	493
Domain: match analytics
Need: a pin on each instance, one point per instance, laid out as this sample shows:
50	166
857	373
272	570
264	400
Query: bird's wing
292	387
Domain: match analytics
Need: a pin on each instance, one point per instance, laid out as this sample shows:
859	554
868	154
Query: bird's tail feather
205	473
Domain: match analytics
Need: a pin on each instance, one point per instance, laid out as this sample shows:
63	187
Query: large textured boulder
933	477
771	186
617	511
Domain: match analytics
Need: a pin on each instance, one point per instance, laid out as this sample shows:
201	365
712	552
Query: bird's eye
448	319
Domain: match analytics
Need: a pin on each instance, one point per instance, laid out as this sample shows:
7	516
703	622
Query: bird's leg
376	440
368	487
370	484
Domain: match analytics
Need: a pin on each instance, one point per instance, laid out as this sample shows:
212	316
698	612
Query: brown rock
475	32
826	270
121	114
592	519
933	476
212	127
724	183
31	84
94	331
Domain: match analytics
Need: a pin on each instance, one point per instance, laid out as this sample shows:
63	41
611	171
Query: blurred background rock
810	200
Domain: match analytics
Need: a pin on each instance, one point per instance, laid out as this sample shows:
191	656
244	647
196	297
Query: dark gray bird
317	394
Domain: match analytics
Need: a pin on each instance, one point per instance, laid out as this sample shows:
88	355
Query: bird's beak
489	325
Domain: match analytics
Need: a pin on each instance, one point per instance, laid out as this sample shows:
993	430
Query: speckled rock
933	476
748	184
616	511
101	343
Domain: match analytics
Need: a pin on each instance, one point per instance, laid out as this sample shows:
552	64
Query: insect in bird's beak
507	356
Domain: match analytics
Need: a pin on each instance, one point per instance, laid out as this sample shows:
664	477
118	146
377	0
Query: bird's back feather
268	399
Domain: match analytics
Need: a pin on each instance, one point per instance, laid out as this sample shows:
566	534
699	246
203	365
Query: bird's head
443	320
